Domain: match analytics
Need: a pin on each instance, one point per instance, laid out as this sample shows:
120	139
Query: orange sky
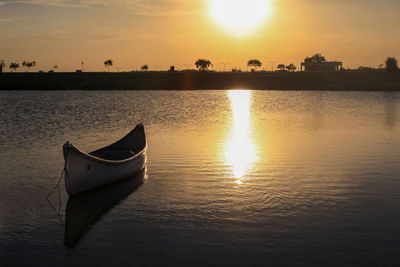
161	33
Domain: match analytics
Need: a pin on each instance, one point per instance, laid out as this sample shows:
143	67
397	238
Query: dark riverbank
345	80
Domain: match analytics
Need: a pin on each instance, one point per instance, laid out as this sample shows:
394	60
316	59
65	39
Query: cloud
57	3
95	33
139	7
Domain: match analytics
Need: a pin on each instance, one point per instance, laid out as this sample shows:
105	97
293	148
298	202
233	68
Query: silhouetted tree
14	66
29	65
316	58
203	64
2	64
108	63
391	64
144	68
291	67
281	67
254	63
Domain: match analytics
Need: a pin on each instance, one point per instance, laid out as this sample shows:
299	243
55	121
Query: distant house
319	63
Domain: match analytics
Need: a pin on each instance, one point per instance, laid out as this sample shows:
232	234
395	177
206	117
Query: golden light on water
240	152
240	16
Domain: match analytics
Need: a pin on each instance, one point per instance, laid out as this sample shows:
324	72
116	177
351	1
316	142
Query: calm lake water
233	178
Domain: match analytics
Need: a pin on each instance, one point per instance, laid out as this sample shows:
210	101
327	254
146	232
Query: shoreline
195	80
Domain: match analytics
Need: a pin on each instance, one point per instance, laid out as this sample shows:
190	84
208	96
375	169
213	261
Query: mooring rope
57	185
64	173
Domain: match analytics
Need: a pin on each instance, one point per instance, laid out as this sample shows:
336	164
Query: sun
240	16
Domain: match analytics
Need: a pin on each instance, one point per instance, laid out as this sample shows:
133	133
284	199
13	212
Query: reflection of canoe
84	171
84	209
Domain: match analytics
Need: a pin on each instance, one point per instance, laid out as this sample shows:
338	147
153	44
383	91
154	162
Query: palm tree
391	64
281	67
291	67
14	66
29	65
108	63
255	63
203	64
144	67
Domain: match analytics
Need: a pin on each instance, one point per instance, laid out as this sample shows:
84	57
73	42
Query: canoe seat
116	155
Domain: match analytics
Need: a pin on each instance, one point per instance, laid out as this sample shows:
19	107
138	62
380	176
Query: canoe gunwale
105	161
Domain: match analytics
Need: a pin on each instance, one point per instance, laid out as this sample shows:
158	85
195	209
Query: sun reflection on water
240	152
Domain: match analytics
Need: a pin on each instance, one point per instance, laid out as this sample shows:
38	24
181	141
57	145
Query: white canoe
124	158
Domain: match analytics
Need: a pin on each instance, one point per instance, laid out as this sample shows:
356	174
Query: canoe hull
84	171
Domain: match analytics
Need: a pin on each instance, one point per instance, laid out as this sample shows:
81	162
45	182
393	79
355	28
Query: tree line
14	65
205	64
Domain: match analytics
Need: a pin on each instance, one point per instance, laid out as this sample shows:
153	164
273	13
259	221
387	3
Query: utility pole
272	65
224	64
82	65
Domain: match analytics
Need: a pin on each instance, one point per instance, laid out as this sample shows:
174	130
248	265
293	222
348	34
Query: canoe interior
125	148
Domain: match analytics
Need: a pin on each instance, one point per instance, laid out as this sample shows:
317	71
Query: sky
162	33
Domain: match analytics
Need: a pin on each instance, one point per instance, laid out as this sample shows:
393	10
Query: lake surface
233	178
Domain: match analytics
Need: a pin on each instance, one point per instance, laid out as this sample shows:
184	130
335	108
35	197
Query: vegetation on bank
14	66
108	63
254	64
203	64
391	64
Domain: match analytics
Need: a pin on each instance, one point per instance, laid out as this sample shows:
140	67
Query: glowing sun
240	16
